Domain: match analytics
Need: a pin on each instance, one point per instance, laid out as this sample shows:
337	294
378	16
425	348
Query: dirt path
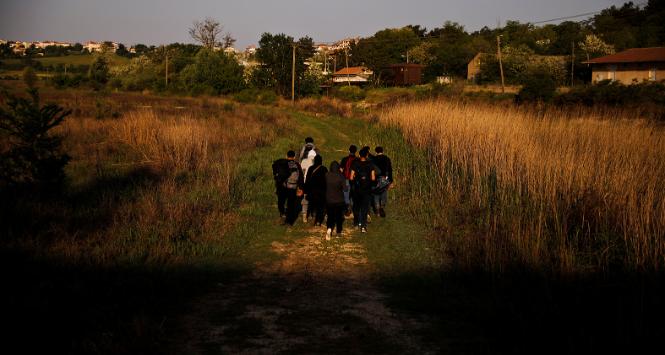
318	298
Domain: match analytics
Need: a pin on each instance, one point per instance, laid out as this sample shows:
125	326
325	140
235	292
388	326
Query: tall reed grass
548	189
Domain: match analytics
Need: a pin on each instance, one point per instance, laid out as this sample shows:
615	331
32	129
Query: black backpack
364	176
281	171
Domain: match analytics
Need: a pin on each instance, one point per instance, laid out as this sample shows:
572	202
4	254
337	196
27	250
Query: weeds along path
304	294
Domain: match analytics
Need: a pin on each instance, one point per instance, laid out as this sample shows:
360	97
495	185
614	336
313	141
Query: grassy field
74	59
550	223
508	229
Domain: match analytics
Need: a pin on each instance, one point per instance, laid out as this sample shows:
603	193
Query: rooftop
633	55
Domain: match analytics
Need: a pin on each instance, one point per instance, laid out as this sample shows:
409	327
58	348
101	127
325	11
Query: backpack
280	171
347	166
364	176
308	147
294	175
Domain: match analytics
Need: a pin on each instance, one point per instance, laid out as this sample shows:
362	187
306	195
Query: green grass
74	59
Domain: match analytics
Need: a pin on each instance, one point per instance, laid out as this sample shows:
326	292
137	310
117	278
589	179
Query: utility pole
572	67
348	79
498	49
166	76
293	76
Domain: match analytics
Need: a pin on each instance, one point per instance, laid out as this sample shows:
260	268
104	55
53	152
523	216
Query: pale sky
166	21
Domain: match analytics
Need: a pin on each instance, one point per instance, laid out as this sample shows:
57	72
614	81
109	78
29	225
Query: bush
539	86
29	77
350	93
31	154
263	97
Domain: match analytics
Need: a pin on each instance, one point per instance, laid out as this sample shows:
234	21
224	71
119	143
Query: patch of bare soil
318	298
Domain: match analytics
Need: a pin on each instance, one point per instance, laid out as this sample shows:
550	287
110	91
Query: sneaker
328	233
382	212
363	230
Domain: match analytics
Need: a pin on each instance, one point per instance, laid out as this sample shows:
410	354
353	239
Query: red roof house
630	66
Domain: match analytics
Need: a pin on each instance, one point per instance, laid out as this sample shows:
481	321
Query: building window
652	74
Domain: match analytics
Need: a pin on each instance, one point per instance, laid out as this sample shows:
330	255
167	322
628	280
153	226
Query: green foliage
385	47
613	93
276	56
29	77
539	86
99	71
32	154
213	72
350	93
254	95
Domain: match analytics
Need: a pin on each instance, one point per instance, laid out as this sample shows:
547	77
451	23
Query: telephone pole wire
498	50
293	76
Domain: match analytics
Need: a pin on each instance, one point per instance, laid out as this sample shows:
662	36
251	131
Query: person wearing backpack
346	167
304	151
293	185
384	180
363	177
315	189
336	188
280	172
305	165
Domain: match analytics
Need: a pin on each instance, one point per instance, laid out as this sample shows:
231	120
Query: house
352	75
98	46
473	68
406	74
629	66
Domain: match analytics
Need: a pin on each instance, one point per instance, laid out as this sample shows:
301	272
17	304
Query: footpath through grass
396	244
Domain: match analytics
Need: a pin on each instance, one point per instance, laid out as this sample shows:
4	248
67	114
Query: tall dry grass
548	189
158	184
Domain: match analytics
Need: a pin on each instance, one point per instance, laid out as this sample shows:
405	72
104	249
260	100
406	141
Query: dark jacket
345	162
335	186
384	165
315	187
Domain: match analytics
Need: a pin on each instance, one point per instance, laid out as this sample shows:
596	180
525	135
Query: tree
213	72
386	47
593	47
29	77
275	53
228	41
99	70
206	32
33	154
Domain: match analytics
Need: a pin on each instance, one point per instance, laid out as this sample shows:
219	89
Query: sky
166	21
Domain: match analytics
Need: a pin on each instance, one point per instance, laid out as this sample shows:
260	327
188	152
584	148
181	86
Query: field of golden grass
557	190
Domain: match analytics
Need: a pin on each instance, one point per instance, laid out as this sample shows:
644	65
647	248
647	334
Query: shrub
350	93
539	86
213	73
263	97
31	154
29	77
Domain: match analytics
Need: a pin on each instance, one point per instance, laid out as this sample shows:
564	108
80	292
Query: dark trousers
292	206
355	208
282	194
336	217
317	207
364	200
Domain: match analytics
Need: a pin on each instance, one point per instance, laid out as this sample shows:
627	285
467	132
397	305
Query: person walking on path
306	164
315	190
336	189
309	145
384	180
346	167
363	176
294	185
280	172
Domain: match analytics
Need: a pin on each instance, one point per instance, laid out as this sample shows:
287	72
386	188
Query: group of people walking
355	185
